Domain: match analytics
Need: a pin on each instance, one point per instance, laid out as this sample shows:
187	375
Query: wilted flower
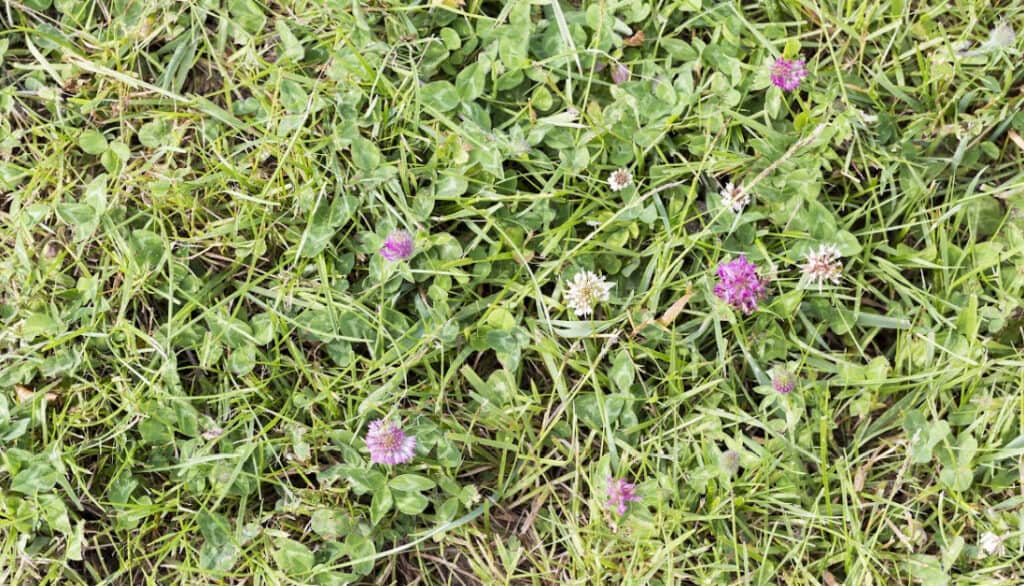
620	179
823	265
585	289
915	534
787	74
620	494
398	246
991	543
1001	36
735	197
739	284
783	380
388	444
729	462
620	73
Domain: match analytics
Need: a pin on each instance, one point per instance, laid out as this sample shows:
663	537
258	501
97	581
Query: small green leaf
451	187
292	557
262	326
38	477
218	557
242	359
330	524
11	175
924	441
623	372
411	483
470	82
380	504
293	49
75	542
154	432
233	331
76	214
325	223
951	552
927	570
95	194
248	14
40	324
440	95
411	503
365	154
55	513
967	322
293	97
155	134
93	142
512	46
147	249
82	217
501	341
361	548
447	511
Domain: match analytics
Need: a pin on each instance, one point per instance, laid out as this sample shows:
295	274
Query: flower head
620	494
990	544
620	73
823	265
1002	36
735	197
739	284
388	444
783	380
787	74
398	246
584	290
729	462
620	179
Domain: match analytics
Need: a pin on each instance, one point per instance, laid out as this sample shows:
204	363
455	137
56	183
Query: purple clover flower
620	494
783	380
388	444
787	74
739	284
620	73
398	246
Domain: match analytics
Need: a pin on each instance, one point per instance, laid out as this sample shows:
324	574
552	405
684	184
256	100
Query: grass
197	328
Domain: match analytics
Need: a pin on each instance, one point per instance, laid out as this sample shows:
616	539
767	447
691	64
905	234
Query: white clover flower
735	197
620	179
584	290
990	544
823	265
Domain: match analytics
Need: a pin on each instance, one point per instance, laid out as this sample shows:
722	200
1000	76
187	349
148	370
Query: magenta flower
398	246
620	494
783	380
388	444
787	74
739	284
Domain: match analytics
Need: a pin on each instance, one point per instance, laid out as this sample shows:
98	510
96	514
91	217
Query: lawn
525	292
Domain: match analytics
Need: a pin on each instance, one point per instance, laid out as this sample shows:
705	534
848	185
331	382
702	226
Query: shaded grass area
197	327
